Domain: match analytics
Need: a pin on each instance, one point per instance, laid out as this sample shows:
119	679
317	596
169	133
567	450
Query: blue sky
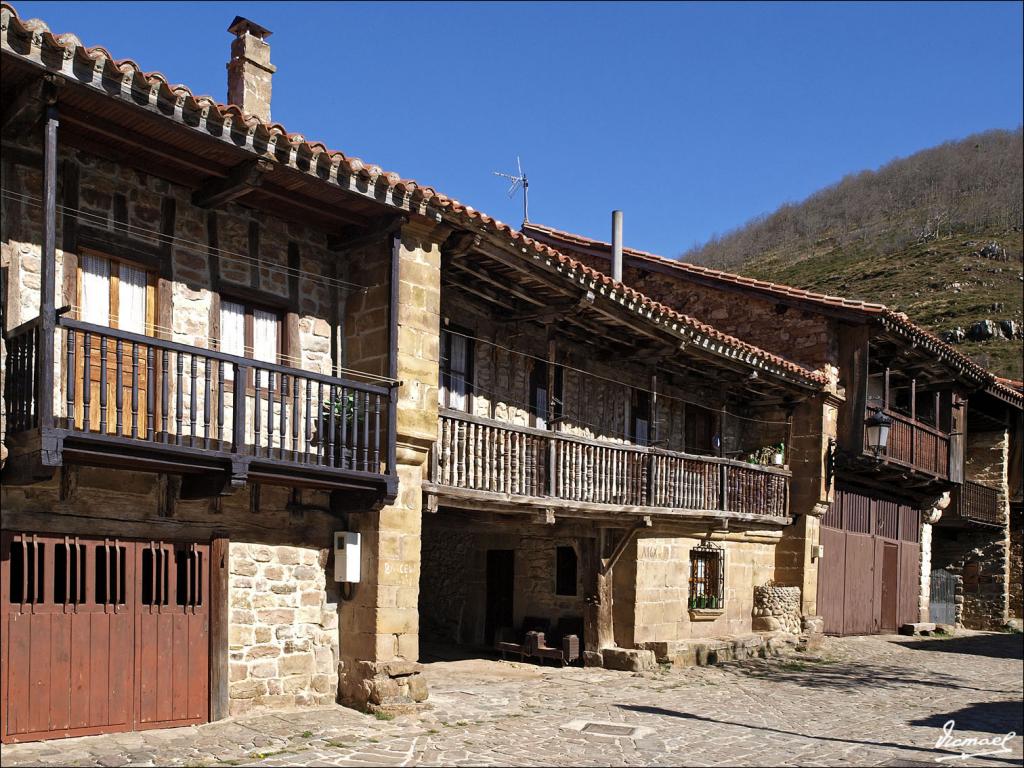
690	117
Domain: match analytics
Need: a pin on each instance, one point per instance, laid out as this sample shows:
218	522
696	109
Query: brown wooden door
74	647
67	644
868	580
171	634
890	586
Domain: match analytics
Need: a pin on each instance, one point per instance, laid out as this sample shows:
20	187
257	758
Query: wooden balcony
127	400
479	461
915	445
974	504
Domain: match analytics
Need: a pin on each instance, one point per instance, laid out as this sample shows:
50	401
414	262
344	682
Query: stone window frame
705	605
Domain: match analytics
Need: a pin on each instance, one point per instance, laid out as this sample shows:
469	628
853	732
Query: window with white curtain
456	369
250	332
113	293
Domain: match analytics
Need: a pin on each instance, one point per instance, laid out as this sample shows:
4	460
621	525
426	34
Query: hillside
936	235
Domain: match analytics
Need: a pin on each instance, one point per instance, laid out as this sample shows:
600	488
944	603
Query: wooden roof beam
240	181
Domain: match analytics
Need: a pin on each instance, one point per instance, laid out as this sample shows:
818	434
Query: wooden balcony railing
916	445
977	503
484	455
127	389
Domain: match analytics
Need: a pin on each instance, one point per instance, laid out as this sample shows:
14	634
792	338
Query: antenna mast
518	181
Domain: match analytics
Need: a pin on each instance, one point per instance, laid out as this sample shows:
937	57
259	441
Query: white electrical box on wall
346	556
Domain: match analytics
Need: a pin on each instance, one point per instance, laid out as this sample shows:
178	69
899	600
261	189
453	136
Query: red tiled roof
892	319
274	134
777	289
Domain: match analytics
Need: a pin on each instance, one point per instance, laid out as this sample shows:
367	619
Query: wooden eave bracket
608	564
241	180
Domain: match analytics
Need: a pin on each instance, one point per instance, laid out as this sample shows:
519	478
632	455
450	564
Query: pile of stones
777	607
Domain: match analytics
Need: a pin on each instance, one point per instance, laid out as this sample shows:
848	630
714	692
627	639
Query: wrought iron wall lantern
878	425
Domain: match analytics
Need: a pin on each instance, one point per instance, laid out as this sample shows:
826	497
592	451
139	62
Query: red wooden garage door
101	635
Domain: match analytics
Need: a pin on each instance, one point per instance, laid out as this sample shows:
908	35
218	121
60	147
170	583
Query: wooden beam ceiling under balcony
516	292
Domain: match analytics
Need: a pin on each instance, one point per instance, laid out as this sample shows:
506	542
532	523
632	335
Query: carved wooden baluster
150	394
283	428
295	416
375	464
321	438
192	408
308	434
366	430
87	382
119	387
165	383
103	384
70	379
179	397
220	402
207	386
135	389
270	413
257	402
343	447
332	457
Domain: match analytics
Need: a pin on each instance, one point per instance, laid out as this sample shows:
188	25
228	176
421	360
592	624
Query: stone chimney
250	70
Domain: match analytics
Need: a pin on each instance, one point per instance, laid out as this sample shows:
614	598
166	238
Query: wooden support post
47	272
597	612
913	418
219	609
886	398
392	447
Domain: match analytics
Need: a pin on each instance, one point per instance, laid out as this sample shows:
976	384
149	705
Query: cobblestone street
858	701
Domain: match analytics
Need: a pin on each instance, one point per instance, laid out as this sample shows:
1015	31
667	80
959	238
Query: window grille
707	576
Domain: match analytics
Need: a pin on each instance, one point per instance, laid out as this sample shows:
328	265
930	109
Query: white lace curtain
95	290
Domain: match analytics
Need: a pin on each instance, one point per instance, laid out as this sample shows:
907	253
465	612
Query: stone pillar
811	491
380	621
929	517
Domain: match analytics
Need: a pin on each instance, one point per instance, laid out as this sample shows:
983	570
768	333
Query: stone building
203	344
225	344
594	457
950	434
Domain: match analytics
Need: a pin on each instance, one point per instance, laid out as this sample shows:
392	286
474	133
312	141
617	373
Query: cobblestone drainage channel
615	730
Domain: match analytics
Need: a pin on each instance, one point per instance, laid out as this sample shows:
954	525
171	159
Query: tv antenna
519	181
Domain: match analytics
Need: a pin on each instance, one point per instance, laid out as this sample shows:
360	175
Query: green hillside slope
936	235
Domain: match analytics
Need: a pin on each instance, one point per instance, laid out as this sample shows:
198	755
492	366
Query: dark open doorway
500	591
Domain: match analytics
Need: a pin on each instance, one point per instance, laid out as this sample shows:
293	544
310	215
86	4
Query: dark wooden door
890	586
74	650
500	591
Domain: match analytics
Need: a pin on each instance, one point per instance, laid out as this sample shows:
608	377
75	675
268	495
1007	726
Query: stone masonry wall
1016	597
283	630
799	335
981	556
453	589
657	597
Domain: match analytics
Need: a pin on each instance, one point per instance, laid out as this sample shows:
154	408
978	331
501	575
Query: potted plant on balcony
769	454
344	409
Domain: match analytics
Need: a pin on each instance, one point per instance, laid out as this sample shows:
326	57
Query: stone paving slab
879	701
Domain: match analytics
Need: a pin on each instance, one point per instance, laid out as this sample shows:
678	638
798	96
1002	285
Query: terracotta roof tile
896	320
